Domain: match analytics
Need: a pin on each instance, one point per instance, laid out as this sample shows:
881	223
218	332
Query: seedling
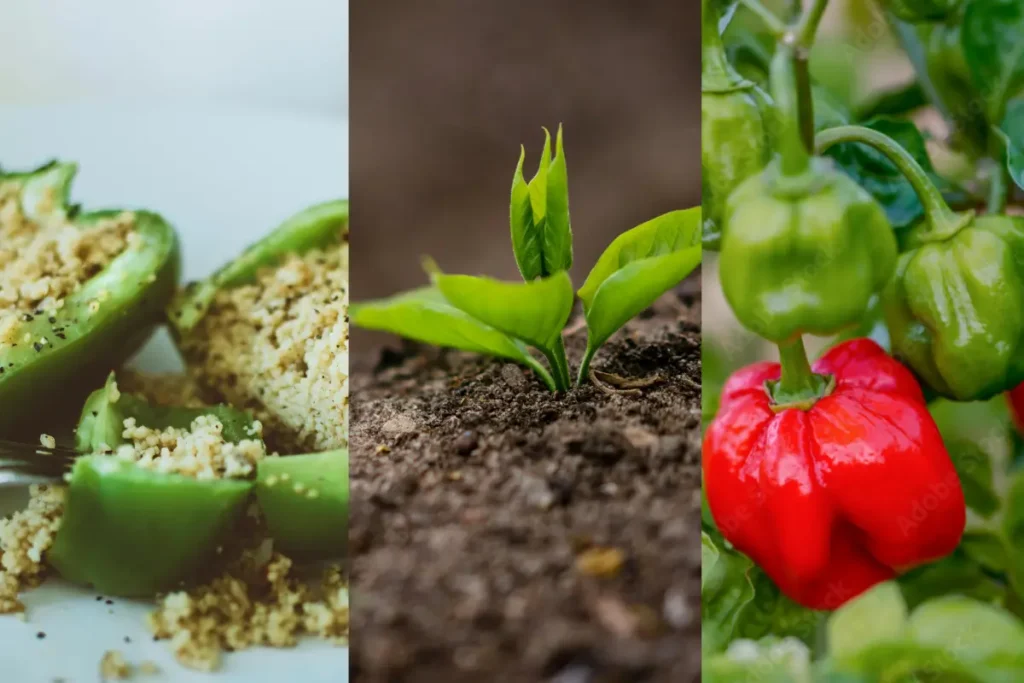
506	319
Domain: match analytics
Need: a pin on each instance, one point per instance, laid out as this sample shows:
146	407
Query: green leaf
968	630
725	590
993	40
557	231
974	467
769	660
877	616
873	171
539	214
955	573
669	233
424	315
534	311
773	614
1011	131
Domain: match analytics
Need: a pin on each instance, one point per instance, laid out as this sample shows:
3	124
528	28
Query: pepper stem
943	222
716	73
799	386
795	159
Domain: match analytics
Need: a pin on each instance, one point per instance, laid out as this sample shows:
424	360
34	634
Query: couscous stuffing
199	451
24	537
163	389
44	257
257	601
114	667
279	347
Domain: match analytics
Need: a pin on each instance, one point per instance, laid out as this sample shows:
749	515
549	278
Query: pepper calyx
804	399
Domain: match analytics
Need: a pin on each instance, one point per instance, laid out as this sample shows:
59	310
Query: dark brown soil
479	499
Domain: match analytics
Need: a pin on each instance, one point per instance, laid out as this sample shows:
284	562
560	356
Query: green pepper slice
99	326
304	499
316	227
133	532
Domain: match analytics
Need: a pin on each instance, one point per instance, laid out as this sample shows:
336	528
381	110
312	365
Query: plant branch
807	27
543	373
943	222
793	150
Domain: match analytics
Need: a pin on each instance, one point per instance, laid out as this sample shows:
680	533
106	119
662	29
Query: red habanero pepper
833	495
1015	397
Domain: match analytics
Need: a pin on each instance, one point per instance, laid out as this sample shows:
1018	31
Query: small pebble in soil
513	376
466	442
601	562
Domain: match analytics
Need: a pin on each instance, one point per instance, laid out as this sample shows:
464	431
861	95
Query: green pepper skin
40	379
316	227
101	423
305	525
803	259
735	144
955	308
735	131
133	532
920	11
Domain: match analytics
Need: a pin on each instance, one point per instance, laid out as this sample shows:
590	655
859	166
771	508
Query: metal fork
22	464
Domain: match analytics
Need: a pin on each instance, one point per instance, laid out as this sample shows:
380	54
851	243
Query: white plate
223	178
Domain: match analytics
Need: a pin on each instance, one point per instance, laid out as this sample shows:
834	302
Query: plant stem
807	28
797	376
585	366
556	370
542	372
563	362
795	160
776	27
943	222
998	190
716	74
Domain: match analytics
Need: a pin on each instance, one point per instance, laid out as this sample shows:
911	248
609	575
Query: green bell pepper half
304	499
40	378
316	227
134	532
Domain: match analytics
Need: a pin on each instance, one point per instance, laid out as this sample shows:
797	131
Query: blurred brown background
443	93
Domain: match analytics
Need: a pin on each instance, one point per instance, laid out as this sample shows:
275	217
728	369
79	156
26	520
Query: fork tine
24	464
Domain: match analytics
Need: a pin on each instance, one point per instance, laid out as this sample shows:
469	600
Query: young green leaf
993	42
424	315
557	230
534	311
638	267
539	215
670	232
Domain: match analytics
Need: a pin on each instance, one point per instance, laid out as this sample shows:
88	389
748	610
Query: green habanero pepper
920	11
135	532
304	499
47	354
804	248
735	127
955	307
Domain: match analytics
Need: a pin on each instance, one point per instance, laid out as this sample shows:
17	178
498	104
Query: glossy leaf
725	590
424	315
533	311
993	41
878	175
539	215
